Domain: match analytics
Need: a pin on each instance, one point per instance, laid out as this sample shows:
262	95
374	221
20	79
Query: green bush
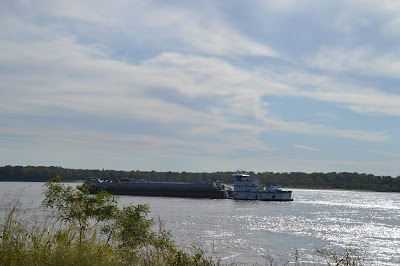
89	230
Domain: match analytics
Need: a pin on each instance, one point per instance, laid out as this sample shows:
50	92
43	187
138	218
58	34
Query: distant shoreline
298	180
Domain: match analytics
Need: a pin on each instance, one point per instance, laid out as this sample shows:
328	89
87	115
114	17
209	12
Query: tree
82	212
77	208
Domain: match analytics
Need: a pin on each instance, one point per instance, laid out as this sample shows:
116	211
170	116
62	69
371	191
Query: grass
47	243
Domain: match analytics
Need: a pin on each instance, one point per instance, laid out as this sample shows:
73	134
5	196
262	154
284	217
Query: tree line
332	180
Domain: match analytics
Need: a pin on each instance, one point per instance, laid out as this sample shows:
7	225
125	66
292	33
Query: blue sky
282	86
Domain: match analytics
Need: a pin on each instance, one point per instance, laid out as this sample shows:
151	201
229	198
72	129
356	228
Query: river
250	231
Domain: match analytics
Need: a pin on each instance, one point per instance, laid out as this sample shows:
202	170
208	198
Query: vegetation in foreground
85	229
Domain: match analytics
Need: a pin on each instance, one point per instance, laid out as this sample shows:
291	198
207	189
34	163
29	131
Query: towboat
246	189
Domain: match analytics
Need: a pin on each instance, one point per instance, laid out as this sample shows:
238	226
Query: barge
126	186
243	189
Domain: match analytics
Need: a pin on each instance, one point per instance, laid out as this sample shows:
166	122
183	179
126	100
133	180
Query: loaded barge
126	186
243	189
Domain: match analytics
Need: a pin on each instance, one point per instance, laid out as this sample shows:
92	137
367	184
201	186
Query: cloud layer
200	86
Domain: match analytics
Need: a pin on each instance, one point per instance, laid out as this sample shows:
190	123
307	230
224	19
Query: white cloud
339	89
360	60
362	100
323	130
218	39
172	26
307	148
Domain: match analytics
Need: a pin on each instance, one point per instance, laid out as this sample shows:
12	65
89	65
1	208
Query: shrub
89	230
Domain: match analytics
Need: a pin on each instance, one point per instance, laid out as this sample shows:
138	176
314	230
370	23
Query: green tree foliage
85	213
132	229
76	207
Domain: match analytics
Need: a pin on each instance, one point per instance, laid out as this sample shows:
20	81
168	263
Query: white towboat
246	189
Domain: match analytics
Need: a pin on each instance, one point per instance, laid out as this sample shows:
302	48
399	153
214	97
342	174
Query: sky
201	86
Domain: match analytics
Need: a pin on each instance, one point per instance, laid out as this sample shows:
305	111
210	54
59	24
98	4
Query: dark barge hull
163	193
159	189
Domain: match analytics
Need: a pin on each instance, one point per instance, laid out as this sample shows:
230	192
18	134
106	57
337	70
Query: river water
251	231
